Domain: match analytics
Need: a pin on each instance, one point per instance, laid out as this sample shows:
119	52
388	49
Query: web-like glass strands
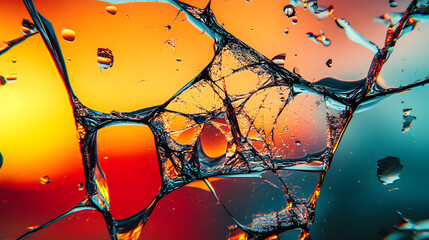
242	136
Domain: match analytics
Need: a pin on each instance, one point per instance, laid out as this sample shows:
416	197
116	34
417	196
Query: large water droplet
279	60
289	11
104	58
45	180
68	35
388	170
112	10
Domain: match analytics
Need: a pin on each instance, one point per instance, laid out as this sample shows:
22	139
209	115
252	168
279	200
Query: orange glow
131	235
213	141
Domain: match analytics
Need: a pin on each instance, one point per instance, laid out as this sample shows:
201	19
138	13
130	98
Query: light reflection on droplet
11	77
294	19
68	35
13	60
286	31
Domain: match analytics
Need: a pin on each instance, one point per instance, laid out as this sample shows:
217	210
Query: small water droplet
112	10
393	3
45	180
178	59
11	77
80	186
33	227
388	170
407	119
279	60
168	27
329	63
289	11
104	58
286	31
298	143
294	19
68	34
248	1
13	60
69	59
171	42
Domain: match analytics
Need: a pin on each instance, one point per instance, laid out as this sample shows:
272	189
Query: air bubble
68	35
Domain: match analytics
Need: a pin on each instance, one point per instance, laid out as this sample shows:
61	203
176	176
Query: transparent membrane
201	119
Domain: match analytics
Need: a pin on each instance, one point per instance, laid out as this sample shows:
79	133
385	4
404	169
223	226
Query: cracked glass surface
213	119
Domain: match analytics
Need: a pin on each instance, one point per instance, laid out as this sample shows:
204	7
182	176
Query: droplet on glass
321	39
298	143
69	59
112	10
104	58
11	77
13	60
388	170
68	35
178	59
294	19
279	60
289	11
329	63
45	180
393	3
168	27
407	119
286	31
80	186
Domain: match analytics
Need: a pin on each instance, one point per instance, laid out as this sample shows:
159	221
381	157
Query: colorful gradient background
38	136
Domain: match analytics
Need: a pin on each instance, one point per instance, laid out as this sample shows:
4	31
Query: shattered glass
174	119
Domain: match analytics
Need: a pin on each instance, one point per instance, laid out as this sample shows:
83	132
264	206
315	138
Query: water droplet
321	39
178	59
329	63
294	19
112	10
407	119
68	35
168	27
104	58
45	180
248	1
388	170
11	77
289	11
393	3
69	59
13	60
298	143
286	31
80	186
279	60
